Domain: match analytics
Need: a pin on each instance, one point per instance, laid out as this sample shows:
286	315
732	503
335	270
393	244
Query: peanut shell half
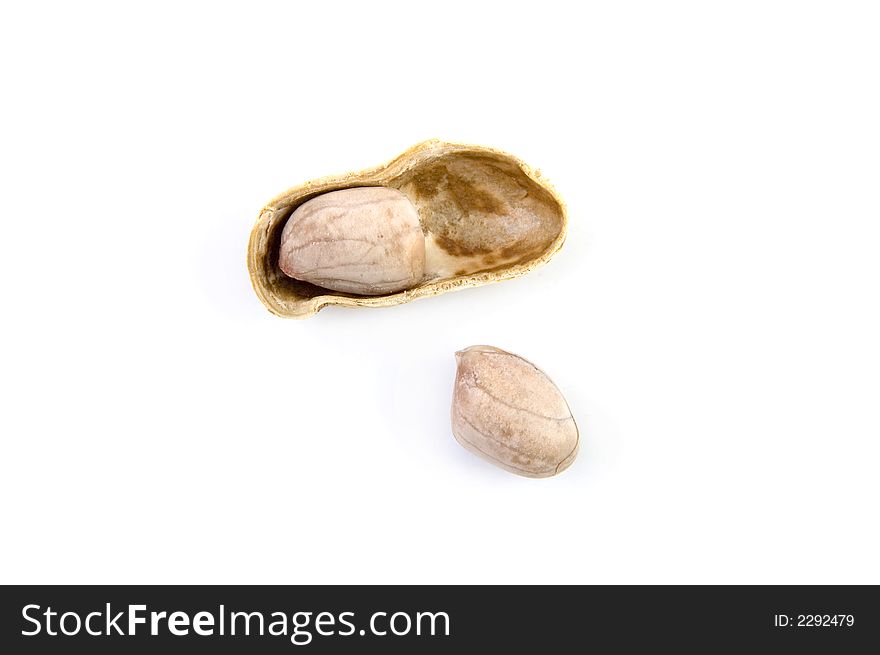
486	216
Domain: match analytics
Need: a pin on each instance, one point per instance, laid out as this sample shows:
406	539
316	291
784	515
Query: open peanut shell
486	215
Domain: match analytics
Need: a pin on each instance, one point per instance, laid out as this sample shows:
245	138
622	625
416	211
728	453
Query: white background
713	318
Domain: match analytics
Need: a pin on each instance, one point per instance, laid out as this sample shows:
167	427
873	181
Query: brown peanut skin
506	410
363	240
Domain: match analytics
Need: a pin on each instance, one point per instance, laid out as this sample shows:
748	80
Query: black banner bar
392	619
